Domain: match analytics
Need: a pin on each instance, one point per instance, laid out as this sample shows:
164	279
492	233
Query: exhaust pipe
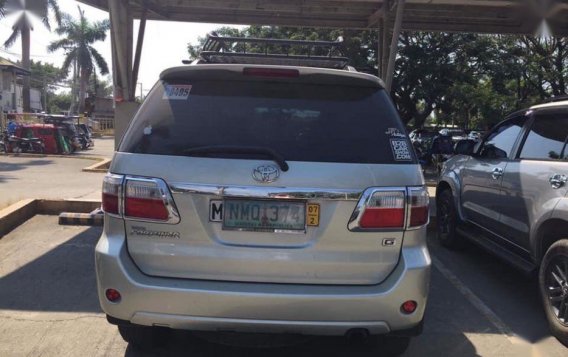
357	335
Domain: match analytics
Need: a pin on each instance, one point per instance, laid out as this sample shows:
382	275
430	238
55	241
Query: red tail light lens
148	199
112	191
384	209
272	72
419	206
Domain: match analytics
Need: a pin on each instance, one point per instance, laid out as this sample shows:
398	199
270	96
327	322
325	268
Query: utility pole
141	92
44	94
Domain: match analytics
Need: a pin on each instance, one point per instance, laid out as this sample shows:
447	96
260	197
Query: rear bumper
252	307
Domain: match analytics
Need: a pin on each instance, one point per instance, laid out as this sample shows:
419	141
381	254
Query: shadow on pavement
511	294
6	166
63	279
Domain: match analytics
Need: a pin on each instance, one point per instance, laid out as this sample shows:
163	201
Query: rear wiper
225	149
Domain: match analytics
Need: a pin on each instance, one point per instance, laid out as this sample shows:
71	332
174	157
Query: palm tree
23	27
79	36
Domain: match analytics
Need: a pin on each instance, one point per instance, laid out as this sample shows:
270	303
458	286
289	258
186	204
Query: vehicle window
301	122
547	138
500	141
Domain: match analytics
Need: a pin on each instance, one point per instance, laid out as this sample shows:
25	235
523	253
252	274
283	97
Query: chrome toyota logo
266	173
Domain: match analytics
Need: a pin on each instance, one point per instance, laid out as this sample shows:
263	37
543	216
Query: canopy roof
482	16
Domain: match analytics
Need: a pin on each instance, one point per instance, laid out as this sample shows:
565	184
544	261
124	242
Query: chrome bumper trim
266	192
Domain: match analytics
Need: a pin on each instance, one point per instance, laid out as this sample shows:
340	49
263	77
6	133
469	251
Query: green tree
48	78
23	27
60	103
79	37
470	80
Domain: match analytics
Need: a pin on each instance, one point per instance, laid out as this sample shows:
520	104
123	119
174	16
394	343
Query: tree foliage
77	41
470	80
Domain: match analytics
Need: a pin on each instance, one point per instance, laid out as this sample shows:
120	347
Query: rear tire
553	286
143	337
446	221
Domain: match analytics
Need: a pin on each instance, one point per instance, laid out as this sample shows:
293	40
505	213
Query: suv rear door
339	135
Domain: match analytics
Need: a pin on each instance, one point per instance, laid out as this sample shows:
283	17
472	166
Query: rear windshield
301	122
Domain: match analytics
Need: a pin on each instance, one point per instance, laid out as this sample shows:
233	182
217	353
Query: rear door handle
557	181
497	173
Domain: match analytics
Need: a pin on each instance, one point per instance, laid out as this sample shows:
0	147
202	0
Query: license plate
264	216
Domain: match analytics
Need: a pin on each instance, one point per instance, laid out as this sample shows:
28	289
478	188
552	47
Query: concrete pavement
49	307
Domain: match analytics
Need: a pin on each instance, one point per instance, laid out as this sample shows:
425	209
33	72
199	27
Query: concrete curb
16	214
70	156
95	218
101	166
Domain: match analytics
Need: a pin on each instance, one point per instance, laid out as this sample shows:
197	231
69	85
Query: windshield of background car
301	122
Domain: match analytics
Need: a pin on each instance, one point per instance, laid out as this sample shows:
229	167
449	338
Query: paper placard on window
177	91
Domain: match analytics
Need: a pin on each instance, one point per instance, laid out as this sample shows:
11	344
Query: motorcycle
18	145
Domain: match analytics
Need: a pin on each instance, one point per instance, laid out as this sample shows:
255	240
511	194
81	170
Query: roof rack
325	54
559	98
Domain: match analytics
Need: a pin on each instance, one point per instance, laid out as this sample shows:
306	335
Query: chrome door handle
557	180
497	173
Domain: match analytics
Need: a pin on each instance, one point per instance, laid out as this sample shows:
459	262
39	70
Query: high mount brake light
146	199
386	209
272	72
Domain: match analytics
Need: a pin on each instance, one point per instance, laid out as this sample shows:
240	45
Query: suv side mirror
465	147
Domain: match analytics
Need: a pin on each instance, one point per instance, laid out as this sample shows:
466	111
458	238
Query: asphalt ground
478	306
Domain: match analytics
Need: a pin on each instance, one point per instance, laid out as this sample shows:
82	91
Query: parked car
255	198
508	195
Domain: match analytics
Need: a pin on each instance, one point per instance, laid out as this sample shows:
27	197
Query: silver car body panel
261	307
197	248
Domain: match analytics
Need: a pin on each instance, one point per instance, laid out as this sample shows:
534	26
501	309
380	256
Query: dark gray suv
508	194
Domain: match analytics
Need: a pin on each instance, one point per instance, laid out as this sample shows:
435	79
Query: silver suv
265	199
508	194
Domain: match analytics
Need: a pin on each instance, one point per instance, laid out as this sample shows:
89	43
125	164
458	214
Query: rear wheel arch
547	234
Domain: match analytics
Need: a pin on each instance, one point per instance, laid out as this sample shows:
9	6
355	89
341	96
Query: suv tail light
390	208
384	210
146	199
112	192
419	207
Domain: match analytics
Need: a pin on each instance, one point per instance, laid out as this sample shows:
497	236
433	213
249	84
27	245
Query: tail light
390	208
146	199
419	206
380	209
112	192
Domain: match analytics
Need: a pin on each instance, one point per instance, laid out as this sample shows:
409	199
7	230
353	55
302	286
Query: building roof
481	16
9	65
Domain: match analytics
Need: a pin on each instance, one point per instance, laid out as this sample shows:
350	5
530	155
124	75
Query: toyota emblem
266	173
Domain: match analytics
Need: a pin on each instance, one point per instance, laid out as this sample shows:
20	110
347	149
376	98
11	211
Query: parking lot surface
48	306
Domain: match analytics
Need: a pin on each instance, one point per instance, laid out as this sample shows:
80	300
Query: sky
165	43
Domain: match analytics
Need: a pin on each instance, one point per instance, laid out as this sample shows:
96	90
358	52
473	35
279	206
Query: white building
11	89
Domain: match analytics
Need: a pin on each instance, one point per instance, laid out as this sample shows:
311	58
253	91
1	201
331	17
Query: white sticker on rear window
395	133
177	91
400	150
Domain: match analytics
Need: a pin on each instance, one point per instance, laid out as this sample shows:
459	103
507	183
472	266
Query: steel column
394	44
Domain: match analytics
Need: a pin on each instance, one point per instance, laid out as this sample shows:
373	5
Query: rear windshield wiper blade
225	149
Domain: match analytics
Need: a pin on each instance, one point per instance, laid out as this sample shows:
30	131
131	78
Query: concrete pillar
394	44
122	26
